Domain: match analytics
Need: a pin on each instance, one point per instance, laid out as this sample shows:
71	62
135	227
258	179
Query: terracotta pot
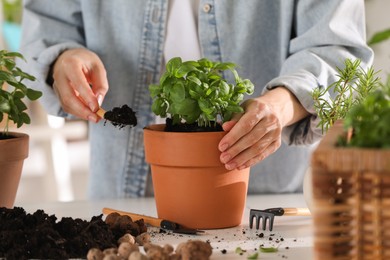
13	152
191	185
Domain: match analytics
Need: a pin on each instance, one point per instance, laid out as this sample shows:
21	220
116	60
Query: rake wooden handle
101	112
155	222
296	212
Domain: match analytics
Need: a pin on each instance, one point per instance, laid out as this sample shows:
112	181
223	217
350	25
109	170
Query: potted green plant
13	145
191	185
351	168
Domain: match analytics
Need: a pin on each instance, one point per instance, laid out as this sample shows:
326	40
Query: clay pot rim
14	134
6	145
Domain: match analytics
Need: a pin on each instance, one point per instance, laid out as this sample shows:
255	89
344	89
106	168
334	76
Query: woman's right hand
80	81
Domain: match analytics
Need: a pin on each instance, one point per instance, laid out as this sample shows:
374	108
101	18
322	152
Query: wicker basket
351	200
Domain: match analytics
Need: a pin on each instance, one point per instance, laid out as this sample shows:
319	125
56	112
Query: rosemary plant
352	87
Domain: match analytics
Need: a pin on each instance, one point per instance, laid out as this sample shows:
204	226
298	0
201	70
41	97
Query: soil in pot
184	127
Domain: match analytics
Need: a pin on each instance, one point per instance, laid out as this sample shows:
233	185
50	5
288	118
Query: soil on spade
121	116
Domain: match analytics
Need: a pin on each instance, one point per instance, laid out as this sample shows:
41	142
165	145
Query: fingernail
225	158
92	118
230	166
223	147
100	99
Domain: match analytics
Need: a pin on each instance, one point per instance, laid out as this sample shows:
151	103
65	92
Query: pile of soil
41	236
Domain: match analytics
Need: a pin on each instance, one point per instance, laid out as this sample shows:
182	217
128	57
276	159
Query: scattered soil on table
184	127
121	116
41	236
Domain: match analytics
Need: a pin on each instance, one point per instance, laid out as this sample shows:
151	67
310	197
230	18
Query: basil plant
197	92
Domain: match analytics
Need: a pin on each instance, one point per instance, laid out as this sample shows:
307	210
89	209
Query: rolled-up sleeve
48	29
324	35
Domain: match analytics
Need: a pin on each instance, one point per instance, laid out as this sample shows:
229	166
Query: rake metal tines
267	215
264	216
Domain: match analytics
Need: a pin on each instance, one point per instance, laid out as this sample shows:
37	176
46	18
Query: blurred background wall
378	20
57	167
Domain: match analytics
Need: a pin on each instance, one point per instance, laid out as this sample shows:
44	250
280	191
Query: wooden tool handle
101	112
296	212
155	222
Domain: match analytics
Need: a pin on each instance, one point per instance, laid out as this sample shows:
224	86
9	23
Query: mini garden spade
119	116
156	222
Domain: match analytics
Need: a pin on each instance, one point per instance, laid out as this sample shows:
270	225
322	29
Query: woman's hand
256	134
80	82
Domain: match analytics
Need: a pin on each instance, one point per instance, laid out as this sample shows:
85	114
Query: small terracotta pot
13	152
191	186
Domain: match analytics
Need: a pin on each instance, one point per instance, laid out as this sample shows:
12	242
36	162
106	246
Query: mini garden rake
268	215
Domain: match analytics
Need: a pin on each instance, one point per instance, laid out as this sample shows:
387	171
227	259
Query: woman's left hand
257	133
252	136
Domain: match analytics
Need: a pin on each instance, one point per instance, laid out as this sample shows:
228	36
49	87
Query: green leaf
5	106
173	65
165	76
25	119
19	104
14	55
250	88
154	90
224	88
194	80
225	66
268	249
178	92
206	63
206	106
379	37
185	107
239	250
234	108
6	76
17	85
184	69
159	107
253	256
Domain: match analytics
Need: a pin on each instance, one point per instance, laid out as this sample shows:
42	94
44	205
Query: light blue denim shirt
296	44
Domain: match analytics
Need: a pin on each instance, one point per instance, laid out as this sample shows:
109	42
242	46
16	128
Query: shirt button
206	8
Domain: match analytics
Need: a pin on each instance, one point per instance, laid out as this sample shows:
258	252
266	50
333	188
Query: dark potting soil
170	127
41	236
121	116
4	136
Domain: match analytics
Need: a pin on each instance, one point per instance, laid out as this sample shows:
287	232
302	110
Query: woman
89	53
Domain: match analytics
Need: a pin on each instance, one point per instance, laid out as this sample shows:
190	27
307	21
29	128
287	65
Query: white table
292	235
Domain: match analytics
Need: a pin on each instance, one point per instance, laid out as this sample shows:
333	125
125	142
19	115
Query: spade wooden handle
155	222
101	112
296	212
